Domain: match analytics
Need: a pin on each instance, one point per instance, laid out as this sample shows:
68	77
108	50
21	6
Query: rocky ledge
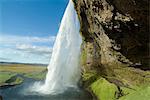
115	49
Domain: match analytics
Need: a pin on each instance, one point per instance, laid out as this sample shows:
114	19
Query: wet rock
1	98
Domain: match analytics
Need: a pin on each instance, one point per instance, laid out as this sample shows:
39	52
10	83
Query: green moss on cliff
83	57
142	93
88	78
104	90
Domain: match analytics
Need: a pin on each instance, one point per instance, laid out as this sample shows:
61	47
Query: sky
28	29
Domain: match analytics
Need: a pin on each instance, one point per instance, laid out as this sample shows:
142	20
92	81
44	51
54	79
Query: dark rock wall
115	40
122	24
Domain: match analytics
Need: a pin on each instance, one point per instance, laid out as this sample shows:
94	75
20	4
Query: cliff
115	49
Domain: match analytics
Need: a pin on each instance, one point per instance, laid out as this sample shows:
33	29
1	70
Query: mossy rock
15	80
18	80
89	77
142	93
104	90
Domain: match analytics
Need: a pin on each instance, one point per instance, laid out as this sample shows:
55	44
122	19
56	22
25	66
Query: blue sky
28	29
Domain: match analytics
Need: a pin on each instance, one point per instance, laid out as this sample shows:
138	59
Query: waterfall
63	69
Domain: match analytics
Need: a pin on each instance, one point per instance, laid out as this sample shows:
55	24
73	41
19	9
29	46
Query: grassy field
9	71
21	68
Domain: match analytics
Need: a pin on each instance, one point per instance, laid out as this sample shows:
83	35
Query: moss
132	76
122	82
142	93
104	90
89	77
83	57
126	91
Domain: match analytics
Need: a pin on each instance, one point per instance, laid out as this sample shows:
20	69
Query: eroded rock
115	41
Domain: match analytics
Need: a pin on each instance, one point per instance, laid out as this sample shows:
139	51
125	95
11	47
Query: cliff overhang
115	47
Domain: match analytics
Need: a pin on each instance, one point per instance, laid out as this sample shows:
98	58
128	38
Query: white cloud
25	48
4	59
34	49
10	39
39	39
14	55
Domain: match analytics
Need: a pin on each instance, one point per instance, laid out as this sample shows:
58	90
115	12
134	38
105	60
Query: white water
63	69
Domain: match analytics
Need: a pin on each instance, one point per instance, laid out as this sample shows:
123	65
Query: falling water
63	69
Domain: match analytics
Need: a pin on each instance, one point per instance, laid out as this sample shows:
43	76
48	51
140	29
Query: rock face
115	43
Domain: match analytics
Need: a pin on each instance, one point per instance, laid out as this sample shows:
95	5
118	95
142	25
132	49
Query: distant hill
1	62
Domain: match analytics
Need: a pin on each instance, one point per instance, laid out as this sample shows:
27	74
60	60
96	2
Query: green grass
9	78
38	75
21	68
4	76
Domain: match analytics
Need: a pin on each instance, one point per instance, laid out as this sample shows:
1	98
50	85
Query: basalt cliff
115	48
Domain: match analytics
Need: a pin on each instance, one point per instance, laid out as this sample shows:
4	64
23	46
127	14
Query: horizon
28	29
1	62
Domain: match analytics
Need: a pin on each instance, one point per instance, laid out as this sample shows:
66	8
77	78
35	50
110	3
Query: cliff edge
115	48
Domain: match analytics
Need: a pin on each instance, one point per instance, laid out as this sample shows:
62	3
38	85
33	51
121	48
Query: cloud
3	59
34	49
14	55
43	39
25	48
12	39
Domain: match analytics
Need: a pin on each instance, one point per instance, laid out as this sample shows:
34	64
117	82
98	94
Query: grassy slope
120	83
104	90
5	76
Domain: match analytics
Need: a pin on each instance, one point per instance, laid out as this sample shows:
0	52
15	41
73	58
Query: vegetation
15	80
37	75
9	73
142	94
21	68
104	90
4	76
